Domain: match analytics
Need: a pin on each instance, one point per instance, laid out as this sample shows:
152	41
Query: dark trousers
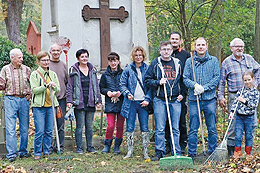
182	127
60	125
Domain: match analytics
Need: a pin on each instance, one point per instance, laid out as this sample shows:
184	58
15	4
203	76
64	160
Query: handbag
59	110
149	107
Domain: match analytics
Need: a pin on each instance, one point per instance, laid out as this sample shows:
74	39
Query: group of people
163	85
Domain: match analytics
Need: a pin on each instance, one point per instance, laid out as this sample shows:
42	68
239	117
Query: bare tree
13	19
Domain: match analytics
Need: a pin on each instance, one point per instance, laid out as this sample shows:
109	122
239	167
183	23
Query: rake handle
198	105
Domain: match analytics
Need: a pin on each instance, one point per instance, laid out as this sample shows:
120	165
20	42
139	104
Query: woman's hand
69	105
130	97
117	94
110	94
144	103
52	84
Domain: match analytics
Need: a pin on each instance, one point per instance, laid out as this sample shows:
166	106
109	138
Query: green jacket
38	87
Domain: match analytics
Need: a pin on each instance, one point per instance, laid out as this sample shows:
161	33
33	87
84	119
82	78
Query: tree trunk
257	32
13	19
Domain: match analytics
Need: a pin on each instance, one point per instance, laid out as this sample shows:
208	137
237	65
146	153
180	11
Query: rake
173	162
221	153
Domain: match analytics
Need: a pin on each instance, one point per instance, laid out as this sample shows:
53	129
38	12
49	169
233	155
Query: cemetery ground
115	163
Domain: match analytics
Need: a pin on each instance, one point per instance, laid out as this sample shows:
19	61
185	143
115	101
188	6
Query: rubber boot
237	153
108	143
130	144
145	137
118	142
231	150
248	150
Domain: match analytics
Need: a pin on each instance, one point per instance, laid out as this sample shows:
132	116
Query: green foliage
96	125
217	20
7	45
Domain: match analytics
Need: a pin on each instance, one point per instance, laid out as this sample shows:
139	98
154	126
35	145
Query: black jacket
110	82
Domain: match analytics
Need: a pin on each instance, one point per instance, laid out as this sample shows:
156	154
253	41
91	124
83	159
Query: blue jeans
16	107
209	110
84	117
143	116
44	121
160	116
244	123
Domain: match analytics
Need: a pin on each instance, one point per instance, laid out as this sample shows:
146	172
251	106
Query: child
244	120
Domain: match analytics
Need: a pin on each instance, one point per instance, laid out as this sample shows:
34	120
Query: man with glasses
14	80
232	70
165	70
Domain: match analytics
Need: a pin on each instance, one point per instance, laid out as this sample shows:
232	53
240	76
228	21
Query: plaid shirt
232	71
15	81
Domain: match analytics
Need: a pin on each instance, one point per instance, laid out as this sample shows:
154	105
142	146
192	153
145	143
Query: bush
7	45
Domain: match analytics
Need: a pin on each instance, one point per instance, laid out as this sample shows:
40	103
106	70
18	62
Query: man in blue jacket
165	70
207	71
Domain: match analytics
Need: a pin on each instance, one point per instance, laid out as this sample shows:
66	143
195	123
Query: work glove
198	89
70	114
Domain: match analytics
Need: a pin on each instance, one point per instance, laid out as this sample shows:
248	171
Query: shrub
7	45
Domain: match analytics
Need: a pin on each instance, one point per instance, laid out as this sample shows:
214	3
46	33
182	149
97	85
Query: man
61	70
154	78
207	72
232	70
14	80
182	55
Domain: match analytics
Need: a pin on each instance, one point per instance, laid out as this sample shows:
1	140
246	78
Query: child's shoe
248	153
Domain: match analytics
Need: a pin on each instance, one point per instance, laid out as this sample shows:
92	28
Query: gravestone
100	26
33	39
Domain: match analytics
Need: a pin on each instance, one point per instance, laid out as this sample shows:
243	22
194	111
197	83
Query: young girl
244	120
109	86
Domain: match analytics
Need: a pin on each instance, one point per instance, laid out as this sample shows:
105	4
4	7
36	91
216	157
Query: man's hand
69	105
98	105
179	98
117	93
144	103
198	89
163	81
222	103
110	94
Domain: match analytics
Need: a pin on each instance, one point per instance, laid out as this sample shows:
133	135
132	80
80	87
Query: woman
109	86
136	98
44	82
83	93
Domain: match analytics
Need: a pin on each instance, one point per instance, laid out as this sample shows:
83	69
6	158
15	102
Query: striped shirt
15	81
232	71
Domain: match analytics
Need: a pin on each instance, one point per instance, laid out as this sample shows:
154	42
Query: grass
108	162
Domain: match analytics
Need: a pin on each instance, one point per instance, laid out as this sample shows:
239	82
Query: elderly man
207	72
61	70
14	80
232	70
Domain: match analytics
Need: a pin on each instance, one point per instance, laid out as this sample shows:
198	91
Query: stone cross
104	14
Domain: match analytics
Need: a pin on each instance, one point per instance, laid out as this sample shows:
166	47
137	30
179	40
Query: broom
56	132
173	162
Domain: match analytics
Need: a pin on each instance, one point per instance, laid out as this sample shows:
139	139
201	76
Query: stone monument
100	26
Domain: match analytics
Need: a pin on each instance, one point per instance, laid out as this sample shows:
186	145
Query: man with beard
232	70
182	55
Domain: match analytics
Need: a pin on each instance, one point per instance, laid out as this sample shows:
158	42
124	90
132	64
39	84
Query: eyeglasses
238	46
45	60
166	50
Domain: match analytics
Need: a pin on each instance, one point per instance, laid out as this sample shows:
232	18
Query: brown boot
237	153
